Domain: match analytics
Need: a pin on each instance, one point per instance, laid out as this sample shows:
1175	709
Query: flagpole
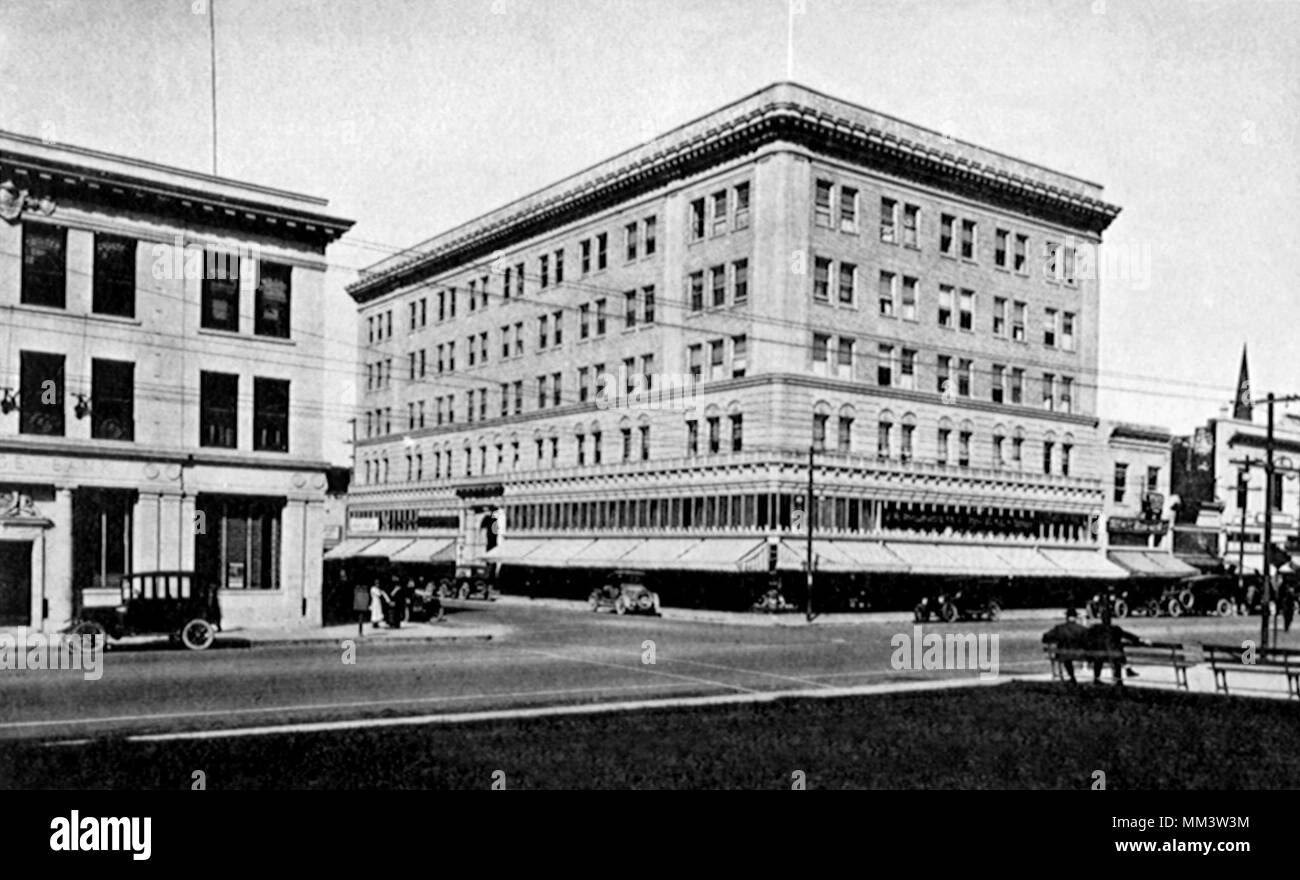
212	60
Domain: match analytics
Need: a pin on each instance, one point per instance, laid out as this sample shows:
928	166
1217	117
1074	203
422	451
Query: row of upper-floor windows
45	273
955	377
593	320
42	397
724	210
839	206
639	242
955	308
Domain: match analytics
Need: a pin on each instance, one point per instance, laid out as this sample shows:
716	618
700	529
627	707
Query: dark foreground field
1008	736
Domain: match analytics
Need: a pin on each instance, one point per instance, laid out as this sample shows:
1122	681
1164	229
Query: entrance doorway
15	583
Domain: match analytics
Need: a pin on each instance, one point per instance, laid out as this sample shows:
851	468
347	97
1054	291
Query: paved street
543	655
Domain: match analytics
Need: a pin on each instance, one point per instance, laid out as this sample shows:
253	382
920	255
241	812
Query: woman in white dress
377	601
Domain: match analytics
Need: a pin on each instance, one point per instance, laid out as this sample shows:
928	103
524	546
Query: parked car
470	582
625	592
179	604
1212	593
963	604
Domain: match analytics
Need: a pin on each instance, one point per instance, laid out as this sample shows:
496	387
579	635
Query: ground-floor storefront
72	525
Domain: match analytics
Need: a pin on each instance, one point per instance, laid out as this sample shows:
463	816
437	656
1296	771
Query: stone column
57	590
145	540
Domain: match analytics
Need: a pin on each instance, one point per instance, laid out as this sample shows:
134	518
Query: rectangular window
602	250
963	448
999	383
240	547
742	206
965	371
1067	394
1018	321
1000	254
968	239
946	240
1067	331
218	410
998	452
695	362
907	369
739	355
519	397
543	333
1120	480
909	299
559	273
715	434
821	279
220	292
584	384
822	203
519	338
519	287
887	293
584	321
739	281
719	212
737	433
966	311
271	415
848	277
584	255
819	431
911	215
884	438
630	239
696	228
1049	328
999	316
945	306
114	275
41	393
906	435
45	266
1153	478
820	347
885	365
943	374
557	386
844	351
718	278
644	431
650	236
888	220
692	437
1017	385
505	285
944	441
557	331
1049	391
844	437
600	317
848	209
541	392
505	341
629	309
1019	257
543	271
627	443
697	291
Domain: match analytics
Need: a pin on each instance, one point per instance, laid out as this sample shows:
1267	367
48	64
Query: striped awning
349	548
1083	563
427	550
384	548
1151	563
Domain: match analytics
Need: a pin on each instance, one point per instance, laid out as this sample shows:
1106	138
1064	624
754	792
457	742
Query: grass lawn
1018	735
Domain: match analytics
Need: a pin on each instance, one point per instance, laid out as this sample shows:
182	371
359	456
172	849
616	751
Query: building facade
163	385
632	367
1139	510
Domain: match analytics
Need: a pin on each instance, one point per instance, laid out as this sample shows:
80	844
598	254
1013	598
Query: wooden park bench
1170	654
1267	661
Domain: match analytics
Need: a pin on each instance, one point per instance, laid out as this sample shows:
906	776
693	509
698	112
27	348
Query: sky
412	117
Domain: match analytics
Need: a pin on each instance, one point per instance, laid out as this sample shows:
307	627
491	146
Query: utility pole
212	59
1268	526
808	563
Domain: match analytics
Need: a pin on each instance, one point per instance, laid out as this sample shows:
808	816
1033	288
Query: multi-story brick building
1139	508
918	311
164	384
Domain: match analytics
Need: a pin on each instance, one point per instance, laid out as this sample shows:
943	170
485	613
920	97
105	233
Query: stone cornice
784	112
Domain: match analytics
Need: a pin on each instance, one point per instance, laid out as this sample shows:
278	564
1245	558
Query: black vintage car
472	581
178	604
968	603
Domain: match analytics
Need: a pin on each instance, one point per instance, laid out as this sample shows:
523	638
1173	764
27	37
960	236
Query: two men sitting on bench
1100	639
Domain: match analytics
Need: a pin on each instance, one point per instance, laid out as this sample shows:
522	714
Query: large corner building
630	368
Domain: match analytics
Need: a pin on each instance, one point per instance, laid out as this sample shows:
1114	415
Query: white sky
413	116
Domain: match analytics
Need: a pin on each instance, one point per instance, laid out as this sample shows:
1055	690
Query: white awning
348	548
1083	563
657	553
384	548
427	550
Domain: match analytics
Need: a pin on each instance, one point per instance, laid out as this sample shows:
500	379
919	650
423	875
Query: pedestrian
1110	639
1069	634
1287	603
378	602
397	604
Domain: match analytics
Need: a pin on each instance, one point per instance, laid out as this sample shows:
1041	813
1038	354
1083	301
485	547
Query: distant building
162	384
1138	512
629	368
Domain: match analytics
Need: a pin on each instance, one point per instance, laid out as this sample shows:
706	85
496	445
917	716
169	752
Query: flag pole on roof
1242	408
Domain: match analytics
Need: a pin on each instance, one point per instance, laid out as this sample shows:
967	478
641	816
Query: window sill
37	309
244	337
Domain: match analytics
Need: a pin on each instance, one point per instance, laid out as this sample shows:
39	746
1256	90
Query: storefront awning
955	559
657	553
1083	563
427	550
724	554
1151	563
384	548
839	556
514	550
1028	562
557	552
605	553
348	548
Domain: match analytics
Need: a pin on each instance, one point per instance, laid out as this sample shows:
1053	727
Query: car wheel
463	592
950	612
645	602
593	601
919	614
1153	608
1188	598
1224	608
88	628
620	605
1120	608
1174	607
198	634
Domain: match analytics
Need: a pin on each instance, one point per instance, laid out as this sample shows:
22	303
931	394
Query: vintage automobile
964	604
625	592
179	604
470	582
1212	593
